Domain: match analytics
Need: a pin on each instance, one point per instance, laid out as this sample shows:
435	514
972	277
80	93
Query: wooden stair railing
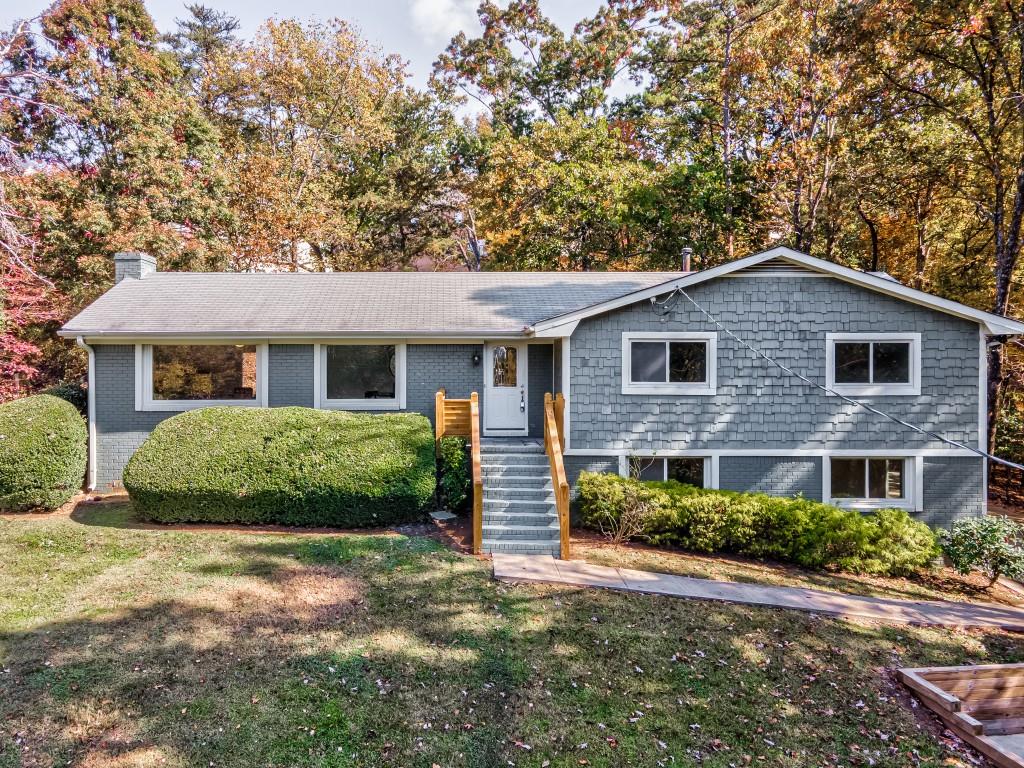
461	418
554	415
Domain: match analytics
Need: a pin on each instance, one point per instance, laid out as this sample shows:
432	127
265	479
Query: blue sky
415	29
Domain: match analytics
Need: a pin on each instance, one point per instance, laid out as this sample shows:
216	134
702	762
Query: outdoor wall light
476	358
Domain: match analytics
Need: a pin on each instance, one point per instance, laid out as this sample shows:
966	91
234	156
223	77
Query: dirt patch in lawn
312	597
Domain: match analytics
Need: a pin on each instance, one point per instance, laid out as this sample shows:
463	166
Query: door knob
522	399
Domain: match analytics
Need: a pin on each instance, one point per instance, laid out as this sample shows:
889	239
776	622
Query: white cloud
438	21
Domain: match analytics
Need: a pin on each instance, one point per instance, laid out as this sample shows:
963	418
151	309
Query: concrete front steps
519	513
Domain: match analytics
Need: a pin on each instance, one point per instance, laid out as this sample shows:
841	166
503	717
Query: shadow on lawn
370	650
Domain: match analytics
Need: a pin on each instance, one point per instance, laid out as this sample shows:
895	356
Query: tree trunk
873	232
730	236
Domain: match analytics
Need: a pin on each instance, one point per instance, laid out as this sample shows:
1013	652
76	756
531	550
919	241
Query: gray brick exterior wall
772	475
290	375
120	429
952	489
432	366
757	404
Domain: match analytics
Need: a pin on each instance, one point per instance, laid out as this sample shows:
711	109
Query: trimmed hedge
43	452
73	392
290	466
454	473
796	530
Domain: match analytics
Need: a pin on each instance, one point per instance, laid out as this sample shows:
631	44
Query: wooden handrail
478	480
461	418
553	448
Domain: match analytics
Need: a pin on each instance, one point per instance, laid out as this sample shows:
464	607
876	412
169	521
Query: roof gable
783	260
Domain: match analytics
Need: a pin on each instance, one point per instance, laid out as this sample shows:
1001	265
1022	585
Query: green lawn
122	646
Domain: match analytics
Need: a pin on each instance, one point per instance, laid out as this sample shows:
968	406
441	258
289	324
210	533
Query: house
654	369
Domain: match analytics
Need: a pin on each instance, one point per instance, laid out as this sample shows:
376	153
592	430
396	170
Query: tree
564	197
522	67
963	61
120	160
335	163
200	38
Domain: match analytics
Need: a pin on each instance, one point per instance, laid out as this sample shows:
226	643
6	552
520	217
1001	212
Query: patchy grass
122	646
937	584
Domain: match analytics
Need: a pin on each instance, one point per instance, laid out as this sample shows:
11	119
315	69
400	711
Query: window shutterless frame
912	481
321	400
144	400
706	387
868	389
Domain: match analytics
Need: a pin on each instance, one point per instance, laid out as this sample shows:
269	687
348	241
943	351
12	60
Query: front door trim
523	384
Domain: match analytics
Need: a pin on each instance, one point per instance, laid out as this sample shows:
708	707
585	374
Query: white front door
505	394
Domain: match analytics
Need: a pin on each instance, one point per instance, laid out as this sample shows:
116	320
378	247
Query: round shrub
291	466
993	545
73	392
796	530
43	452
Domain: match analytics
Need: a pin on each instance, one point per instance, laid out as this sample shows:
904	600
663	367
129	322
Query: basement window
873	364
870	482
669	363
691	470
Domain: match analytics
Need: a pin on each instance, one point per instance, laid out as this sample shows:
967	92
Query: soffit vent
777	266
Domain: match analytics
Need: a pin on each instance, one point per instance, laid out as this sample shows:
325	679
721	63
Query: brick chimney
133	264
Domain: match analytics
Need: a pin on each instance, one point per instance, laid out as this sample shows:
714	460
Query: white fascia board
429	337
994	325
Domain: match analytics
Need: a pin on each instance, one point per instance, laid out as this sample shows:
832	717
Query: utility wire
666	306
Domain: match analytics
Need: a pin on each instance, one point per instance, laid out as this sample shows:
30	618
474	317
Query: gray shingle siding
757	404
772	475
290	375
952	489
539	373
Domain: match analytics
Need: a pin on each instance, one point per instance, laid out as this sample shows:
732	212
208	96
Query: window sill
869	505
876	390
192	405
668	389
361	405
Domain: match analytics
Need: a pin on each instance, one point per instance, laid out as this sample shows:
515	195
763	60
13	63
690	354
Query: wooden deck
983	705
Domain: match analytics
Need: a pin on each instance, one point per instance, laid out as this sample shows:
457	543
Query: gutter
248	333
91	413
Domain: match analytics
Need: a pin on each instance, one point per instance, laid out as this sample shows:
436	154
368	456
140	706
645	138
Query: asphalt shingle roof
402	303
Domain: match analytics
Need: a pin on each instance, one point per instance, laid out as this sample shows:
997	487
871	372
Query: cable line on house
666	306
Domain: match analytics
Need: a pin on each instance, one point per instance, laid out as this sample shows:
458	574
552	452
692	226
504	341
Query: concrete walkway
544	568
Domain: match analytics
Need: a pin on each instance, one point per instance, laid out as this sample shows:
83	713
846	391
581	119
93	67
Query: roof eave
992	324
240	333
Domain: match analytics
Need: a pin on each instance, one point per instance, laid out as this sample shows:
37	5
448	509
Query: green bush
454	471
43	450
808	533
993	545
73	392
293	466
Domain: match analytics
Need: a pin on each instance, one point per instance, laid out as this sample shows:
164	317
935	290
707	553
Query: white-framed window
181	376
871	482
692	470
863	364
360	376
669	363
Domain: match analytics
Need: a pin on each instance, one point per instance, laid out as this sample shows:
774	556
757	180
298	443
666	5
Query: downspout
91	411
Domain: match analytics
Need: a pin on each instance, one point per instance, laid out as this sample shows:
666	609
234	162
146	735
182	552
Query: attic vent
776	266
